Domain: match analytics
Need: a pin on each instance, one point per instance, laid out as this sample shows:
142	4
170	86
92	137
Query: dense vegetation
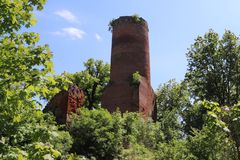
198	118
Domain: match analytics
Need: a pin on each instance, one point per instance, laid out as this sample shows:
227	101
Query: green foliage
227	118
213	75
110	25
172	99
213	68
53	84
136	18
32	137
136	78
96	133
76	157
140	131
26	133
23	64
194	117
137	152
92	80
18	13
210	143
99	134
174	150
43	151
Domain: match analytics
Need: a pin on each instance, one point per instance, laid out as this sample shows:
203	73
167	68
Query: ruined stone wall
64	103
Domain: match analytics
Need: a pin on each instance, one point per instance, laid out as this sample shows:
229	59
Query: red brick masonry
64	103
130	53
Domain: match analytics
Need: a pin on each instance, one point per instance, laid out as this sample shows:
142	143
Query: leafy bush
140	131
210	143
31	137
137	152
96	133
76	157
174	150
136	77
136	18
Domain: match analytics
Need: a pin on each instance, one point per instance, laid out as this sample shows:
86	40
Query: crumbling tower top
130	48
123	20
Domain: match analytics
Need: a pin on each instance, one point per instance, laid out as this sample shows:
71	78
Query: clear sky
77	30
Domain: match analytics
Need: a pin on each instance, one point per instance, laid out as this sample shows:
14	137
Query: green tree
194	117
92	80
213	74
18	13
53	84
227	119
26	133
171	99
23	62
213	68
210	143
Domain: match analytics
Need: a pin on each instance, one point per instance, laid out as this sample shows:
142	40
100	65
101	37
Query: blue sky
77	30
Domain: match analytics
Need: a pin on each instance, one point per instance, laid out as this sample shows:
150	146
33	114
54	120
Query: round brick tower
130	54
130	48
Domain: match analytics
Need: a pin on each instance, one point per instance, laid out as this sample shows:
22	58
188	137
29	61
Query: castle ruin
130	54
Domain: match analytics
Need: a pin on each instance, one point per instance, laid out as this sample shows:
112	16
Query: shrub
137	152
96	133
136	77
